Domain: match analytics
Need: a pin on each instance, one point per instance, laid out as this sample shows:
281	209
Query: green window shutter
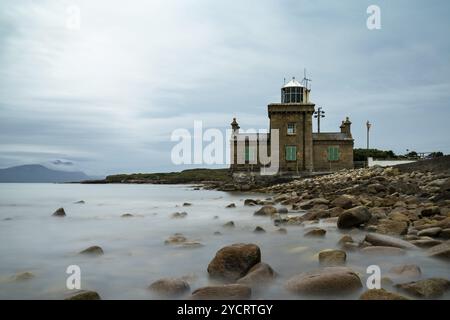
333	153
247	153
291	153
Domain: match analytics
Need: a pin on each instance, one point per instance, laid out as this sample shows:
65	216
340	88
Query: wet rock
234	262
316	232
440	251
428	288
22	276
375	188
249	202
309	204
229	224
344	202
383	251
94	251
381	294
179	215
231	205
353	217
445	233
332	257
426	243
259	275
84	295
266	211
217	233
259	229
406	271
430	232
187	204
191	244
387	241
430	211
283	210
59	213
391	227
224	292
177	238
345	239
327	281
170	287
127	215
80	202
335	212
282	230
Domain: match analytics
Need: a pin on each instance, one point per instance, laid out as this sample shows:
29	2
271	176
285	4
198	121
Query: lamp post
369	125
319	114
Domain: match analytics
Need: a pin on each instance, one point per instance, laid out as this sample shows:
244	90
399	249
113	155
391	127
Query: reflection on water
135	253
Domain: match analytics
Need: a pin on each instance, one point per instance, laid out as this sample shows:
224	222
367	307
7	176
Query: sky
104	96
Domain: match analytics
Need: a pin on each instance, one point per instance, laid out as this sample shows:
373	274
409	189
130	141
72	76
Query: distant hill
39	173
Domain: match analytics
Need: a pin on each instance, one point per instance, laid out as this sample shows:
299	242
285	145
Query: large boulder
440	251
387	241
234	262
59	213
260	274
353	217
381	294
266	211
170	287
224	292
427	288
332	280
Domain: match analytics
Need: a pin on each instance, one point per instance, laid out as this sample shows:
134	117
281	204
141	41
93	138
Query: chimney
235	126
346	127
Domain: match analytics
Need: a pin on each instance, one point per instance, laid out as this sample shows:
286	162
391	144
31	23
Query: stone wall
321	162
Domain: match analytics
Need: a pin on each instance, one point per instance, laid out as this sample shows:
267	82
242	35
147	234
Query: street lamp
369	125
319	114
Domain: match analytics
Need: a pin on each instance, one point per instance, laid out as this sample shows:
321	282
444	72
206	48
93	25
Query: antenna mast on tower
306	80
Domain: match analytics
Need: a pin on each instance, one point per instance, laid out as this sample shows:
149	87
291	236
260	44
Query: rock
229	224
391	227
430	232
399	217
191	244
283	210
282	231
266	211
316	232
59	213
383	251
94	250
381	294
445	233
309	204
375	188
335	212
387	241
407	271
170	287
224	292
127	215
258	229
440	251
187	204
345	239
260	274
353	217
332	257
427	288
344	202
22	276
249	202
217	233
231	205
79	202
430	211
332	280
234	262
179	215
84	295
426	243
177	238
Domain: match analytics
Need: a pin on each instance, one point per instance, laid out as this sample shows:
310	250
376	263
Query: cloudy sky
106	97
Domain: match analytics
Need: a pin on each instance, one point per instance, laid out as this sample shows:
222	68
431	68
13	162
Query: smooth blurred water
135	253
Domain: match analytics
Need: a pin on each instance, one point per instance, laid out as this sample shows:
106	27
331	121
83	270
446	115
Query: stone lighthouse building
300	150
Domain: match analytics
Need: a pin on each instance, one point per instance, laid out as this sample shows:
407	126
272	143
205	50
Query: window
333	153
291	153
291	128
250	154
